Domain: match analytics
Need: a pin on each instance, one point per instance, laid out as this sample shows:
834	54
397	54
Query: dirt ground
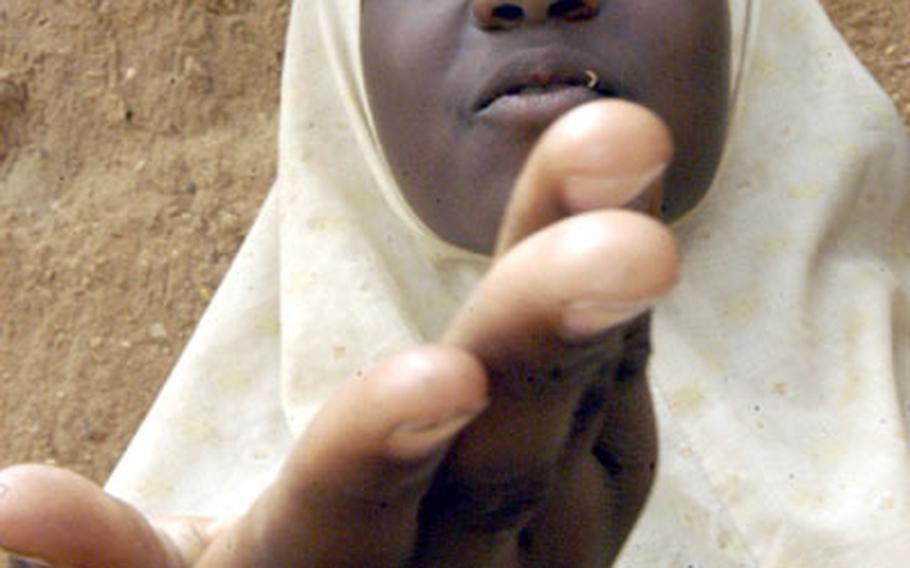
137	139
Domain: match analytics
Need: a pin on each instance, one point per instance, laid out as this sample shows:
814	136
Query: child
780	361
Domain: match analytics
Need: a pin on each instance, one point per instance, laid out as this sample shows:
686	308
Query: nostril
499	14
508	12
572	9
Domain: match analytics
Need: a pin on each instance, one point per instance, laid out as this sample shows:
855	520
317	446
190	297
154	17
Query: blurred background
137	140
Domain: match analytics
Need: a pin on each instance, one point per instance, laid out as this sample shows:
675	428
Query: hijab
781	364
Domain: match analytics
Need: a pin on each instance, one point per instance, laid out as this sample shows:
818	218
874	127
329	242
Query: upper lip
544	67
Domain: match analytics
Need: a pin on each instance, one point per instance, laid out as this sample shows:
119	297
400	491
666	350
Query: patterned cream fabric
782	361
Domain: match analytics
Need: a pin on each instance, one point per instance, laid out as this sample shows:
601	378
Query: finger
191	536
604	154
350	492
538	323
532	317
532	323
603	490
576	278
62	519
626	445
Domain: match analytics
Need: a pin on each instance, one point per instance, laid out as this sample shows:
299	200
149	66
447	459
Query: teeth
538	89
535	89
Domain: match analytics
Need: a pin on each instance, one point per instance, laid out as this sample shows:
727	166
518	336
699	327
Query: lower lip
538	108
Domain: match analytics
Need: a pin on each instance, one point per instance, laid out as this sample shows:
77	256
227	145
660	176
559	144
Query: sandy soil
137	139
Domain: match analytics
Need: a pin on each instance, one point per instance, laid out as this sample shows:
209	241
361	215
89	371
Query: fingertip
601	155
624	262
434	391
367	460
431	394
19	484
424	440
36	473
606	154
398	418
617	255
447	376
28	485
25	509
52	513
613	137
601	269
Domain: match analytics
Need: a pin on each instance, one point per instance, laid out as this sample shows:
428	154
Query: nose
498	14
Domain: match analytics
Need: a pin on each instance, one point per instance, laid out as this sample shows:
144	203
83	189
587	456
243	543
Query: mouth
537	86
541	85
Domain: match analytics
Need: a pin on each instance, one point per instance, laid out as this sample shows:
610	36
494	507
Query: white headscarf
782	361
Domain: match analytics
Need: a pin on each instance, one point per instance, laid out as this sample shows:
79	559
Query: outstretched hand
524	438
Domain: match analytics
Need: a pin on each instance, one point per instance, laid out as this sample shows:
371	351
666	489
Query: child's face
433	66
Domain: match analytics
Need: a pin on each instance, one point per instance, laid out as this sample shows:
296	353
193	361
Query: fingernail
27	562
421	437
584	319
584	193
435	428
23	561
4	489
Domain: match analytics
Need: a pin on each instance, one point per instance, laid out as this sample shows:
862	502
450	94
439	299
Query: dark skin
526	436
428	65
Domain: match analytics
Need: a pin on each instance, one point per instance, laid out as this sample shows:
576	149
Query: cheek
679	42
416	103
403	87
404	46
687	83
406	43
396	80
